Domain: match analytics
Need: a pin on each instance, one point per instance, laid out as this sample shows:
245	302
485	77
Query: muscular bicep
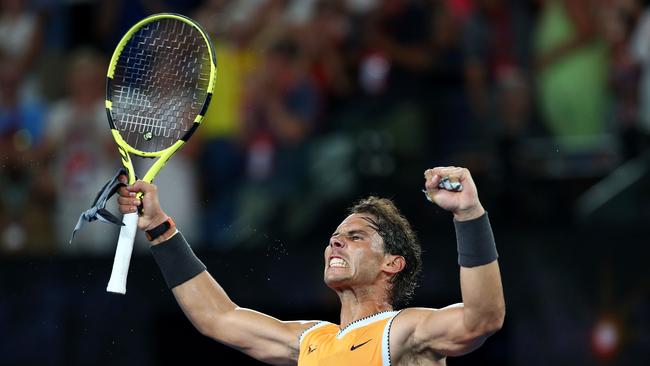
258	335
438	331
261	336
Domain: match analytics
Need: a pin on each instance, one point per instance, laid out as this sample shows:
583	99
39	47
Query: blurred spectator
24	224
282	105
571	63
323	39
221	155
640	49
402	34
393	61
514	118
444	96
619	23
20	42
81	154
495	39
115	17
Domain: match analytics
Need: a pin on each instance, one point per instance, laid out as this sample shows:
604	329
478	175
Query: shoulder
313	327
411	316
403	332
410	319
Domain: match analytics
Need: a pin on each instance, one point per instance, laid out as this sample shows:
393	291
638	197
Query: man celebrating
371	262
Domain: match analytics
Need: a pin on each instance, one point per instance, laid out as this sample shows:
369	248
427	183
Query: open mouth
336	262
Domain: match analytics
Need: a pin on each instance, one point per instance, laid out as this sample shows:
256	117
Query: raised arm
202	299
459	328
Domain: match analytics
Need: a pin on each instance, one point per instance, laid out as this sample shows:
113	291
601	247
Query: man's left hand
464	204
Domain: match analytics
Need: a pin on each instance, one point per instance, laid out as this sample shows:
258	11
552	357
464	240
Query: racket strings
160	84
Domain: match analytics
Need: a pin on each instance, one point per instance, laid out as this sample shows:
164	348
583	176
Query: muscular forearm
198	294
260	336
480	279
203	301
208	307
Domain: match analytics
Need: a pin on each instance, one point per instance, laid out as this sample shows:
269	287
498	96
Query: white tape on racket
447	185
117	282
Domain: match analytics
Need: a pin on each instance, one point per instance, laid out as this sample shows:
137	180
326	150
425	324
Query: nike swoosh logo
355	346
310	350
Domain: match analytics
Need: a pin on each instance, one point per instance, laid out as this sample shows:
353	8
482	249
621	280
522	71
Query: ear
393	264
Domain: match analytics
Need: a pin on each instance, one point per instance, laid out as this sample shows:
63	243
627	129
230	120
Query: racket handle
117	282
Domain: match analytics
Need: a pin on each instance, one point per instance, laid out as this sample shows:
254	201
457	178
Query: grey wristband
176	260
475	241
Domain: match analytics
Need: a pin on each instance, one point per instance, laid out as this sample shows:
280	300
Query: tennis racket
159	85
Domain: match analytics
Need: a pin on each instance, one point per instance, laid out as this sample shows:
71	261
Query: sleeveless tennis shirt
362	342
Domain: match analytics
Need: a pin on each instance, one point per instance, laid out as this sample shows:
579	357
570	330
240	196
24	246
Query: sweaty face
354	255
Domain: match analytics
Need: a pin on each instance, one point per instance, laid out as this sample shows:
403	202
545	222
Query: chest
360	347
426	359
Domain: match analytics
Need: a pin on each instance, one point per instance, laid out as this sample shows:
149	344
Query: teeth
337	262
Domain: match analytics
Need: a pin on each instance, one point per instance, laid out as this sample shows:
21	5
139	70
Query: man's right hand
152	214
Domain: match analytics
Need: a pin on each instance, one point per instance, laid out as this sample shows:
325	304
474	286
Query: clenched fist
464	204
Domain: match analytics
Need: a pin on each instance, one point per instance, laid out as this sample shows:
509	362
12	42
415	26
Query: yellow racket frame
163	155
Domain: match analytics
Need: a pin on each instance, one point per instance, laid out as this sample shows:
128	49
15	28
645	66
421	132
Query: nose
336	242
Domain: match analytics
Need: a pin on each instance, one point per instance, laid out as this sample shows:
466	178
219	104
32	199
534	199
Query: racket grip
117	282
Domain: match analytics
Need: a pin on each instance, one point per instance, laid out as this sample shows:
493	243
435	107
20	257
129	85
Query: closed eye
353	235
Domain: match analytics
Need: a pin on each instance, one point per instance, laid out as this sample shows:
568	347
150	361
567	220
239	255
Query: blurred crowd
316	101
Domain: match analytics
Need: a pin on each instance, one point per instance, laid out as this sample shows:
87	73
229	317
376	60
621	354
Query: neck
360	303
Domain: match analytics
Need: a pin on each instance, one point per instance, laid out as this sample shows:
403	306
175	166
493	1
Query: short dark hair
399	239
